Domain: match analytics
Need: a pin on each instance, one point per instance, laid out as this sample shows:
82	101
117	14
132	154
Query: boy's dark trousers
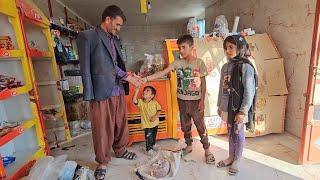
150	136
189	109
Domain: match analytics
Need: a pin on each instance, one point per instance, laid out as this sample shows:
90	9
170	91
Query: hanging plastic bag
193	28
221	27
157	64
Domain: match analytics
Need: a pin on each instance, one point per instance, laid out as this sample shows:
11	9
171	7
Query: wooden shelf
86	133
72	72
48	107
76	137
10	54
9	93
16	131
81	135
73	61
56	129
64	30
46	83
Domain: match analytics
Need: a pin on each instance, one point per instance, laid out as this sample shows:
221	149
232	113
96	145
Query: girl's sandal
222	164
233	170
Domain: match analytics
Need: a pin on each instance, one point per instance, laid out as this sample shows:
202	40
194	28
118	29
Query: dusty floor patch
268	157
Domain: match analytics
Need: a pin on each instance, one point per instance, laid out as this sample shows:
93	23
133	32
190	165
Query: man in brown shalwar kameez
105	80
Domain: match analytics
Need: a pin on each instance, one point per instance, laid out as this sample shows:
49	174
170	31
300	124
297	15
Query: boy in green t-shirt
150	111
191	90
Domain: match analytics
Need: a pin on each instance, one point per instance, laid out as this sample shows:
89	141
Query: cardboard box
269	116
276	82
212	53
262	47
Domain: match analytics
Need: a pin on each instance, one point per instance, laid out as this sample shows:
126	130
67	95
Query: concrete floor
268	157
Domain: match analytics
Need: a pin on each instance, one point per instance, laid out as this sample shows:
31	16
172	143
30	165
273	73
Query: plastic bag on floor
68	170
147	170
40	168
85	124
56	167
47	168
83	173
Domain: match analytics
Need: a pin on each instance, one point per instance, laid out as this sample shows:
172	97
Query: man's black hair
113	11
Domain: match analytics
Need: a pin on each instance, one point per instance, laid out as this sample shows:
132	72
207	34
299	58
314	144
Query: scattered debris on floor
164	165
59	168
66	148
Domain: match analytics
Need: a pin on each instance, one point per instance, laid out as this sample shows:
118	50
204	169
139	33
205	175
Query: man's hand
201	106
239	117
219	112
153	118
134	79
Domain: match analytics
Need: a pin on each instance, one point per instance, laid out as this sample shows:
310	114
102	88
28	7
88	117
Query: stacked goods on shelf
76	111
7	82
64	52
45	75
6	43
21	139
64	35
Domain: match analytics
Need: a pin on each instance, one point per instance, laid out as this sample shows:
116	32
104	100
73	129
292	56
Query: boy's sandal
185	151
128	155
233	171
100	174
210	158
222	164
